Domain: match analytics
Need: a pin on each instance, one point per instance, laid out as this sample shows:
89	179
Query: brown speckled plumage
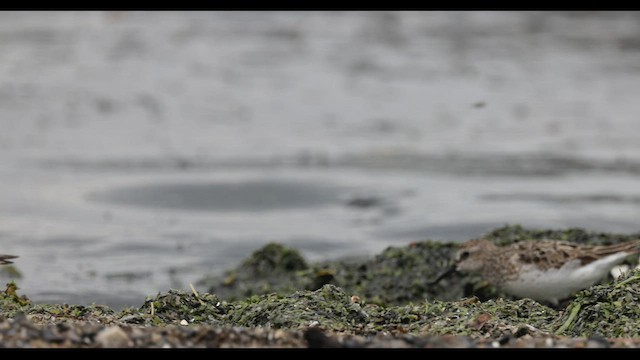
553	254
549	266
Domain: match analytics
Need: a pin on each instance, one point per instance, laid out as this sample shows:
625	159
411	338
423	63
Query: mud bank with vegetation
275	298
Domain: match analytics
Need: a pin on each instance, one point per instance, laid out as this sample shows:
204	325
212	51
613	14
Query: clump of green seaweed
608	310
12	305
328	308
332	308
274	258
10	302
176	307
396	276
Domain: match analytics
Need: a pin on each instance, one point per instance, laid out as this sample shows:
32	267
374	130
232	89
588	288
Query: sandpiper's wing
4	259
592	253
554	254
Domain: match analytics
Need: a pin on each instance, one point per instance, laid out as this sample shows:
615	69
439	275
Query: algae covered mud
276	298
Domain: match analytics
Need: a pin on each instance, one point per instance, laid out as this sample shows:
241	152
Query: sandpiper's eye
464	255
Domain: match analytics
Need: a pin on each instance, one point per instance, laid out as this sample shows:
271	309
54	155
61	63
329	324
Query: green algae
267	268
74	312
609	310
10	302
274	258
492	318
329	308
396	276
332	308
176	306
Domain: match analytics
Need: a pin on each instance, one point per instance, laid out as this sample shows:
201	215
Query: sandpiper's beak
446	272
4	259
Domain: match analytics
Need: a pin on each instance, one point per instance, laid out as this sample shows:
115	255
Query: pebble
112	337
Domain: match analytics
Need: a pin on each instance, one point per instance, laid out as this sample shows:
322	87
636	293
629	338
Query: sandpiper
5	259
546	270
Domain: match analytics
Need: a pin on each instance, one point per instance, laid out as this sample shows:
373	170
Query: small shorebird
544	270
4	259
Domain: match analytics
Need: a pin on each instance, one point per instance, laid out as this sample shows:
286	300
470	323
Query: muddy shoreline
276	298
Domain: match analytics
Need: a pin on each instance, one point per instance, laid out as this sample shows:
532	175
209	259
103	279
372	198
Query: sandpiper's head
472	255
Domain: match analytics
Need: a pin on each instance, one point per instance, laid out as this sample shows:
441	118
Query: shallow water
142	150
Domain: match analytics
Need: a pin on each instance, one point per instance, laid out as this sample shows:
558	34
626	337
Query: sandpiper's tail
4	259
601	251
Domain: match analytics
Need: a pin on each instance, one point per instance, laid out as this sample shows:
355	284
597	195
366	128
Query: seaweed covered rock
470	317
56	312
272	268
274	258
332	308
12	303
608	310
177	307
329	307
397	276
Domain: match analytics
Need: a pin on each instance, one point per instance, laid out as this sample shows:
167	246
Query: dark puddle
232	196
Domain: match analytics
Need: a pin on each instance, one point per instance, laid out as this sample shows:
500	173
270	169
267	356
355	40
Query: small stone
112	337
597	341
548	342
184	322
279	334
52	336
156	338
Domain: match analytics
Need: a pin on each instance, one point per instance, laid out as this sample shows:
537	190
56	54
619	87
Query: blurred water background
142	150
